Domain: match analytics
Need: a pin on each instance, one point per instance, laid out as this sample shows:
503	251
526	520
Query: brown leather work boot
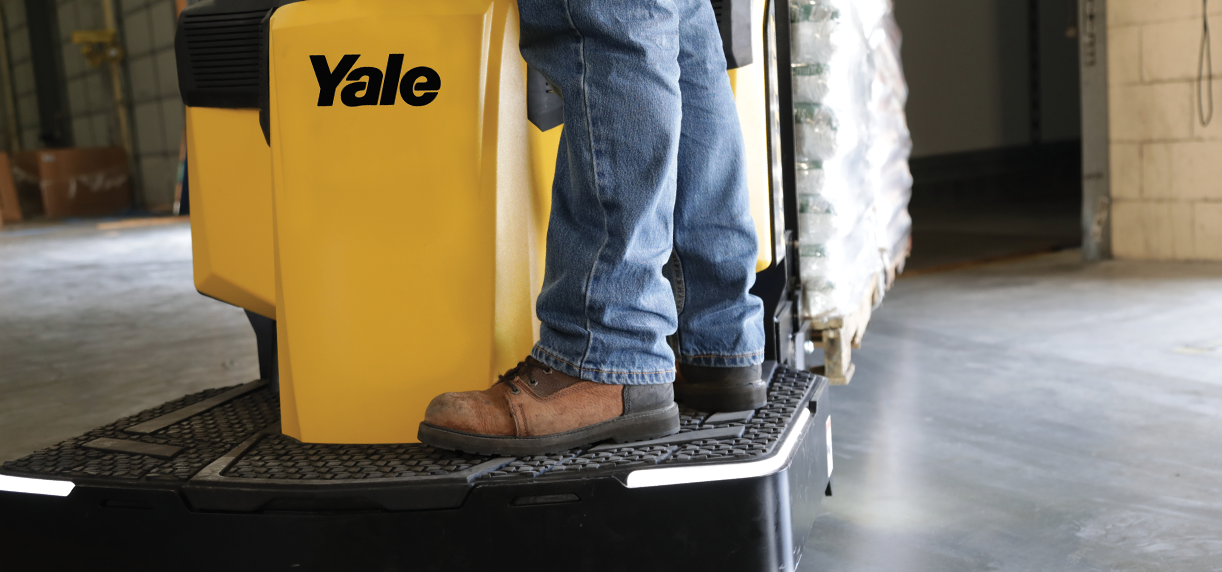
534	410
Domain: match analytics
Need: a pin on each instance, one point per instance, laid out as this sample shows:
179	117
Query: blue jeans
650	171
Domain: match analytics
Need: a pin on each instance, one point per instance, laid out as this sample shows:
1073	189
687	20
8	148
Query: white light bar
721	472
35	486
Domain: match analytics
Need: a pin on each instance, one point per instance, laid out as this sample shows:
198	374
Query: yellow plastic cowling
406	234
229	170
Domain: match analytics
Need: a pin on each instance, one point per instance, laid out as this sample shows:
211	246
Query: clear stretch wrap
891	143
851	148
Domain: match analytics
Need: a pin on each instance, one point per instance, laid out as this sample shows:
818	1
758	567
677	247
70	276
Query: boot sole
712	397
632	427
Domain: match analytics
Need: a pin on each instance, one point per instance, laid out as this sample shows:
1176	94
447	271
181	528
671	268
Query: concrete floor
1025	416
1033	416
97	323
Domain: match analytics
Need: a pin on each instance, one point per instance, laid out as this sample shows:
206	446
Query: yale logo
372	86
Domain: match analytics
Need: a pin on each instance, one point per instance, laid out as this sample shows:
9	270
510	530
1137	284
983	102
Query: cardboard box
73	182
10	206
23	170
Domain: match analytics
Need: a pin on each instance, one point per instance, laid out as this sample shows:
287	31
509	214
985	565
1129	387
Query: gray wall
157	110
23	73
967	66
1059	75
90	99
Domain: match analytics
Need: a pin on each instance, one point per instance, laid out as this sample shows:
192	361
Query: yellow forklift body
230	177
404	232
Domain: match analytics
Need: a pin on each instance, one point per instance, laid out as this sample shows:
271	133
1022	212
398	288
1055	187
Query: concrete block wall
90	96
156	107
26	99
1166	167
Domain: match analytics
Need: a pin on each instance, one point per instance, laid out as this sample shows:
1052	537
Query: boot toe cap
470	412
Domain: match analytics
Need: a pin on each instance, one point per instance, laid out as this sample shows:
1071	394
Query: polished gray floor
97	324
1034	415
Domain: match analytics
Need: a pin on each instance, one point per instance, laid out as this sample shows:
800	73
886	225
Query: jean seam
585	102
558	358
680	282
723	356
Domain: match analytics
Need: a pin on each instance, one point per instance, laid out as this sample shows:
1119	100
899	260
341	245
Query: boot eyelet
514	390
533	382
549	371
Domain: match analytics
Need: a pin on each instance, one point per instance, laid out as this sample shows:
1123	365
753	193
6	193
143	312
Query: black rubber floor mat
212	432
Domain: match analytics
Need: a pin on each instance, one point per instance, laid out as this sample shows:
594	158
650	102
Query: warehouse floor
1037	414
98	323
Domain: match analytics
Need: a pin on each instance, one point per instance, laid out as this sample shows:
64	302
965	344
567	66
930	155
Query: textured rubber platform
277	457
163	488
251	417
203	437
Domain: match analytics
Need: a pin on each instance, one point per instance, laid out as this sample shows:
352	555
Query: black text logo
372	86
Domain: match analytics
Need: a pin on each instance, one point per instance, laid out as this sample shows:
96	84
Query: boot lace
523	371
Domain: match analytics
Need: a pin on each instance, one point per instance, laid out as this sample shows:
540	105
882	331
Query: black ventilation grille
218	56
224	49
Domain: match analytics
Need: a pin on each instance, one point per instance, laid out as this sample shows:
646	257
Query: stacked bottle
838	246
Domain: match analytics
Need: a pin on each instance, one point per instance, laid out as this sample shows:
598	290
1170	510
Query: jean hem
602	376
714	360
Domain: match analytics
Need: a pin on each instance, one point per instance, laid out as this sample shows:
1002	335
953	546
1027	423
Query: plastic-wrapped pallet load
831	138
851	148
891	143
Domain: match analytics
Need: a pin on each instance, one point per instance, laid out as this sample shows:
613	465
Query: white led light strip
721	472
35	486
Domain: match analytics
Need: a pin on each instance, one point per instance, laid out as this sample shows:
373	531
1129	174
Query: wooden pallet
840	335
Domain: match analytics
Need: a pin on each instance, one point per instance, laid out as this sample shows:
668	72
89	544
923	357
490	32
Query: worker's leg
720	335
602	368
605	307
